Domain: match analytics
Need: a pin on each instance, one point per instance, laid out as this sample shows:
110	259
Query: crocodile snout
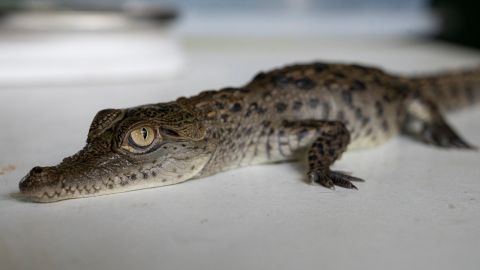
38	177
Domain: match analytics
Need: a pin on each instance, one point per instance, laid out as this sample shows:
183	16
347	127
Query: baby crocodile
310	111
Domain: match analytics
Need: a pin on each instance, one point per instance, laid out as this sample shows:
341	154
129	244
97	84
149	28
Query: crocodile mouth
49	195
62	191
65	181
77	177
40	186
53	195
111	185
49	184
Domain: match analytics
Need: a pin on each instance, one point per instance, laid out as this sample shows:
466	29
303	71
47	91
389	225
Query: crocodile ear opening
183	122
192	131
102	121
196	131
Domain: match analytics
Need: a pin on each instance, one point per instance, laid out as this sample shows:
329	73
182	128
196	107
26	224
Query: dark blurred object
459	21
7	6
137	10
154	13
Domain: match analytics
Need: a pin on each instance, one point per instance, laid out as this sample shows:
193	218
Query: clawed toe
331	179
345	176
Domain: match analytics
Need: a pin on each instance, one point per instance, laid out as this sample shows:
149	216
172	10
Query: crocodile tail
451	90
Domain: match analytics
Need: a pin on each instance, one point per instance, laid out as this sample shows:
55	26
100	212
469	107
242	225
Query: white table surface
419	209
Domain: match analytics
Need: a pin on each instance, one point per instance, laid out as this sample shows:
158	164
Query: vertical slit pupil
144	132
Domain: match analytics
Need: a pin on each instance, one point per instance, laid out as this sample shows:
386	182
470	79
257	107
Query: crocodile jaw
50	184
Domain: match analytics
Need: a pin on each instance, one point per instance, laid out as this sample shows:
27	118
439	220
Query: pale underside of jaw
115	184
75	192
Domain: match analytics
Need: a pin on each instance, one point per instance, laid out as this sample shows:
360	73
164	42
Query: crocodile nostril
38	177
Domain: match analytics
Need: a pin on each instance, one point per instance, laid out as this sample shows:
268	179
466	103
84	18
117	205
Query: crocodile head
127	149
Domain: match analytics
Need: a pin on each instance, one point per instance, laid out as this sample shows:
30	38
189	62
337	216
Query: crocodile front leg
331	139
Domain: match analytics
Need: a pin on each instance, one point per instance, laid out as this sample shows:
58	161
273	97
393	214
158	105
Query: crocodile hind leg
424	122
330	140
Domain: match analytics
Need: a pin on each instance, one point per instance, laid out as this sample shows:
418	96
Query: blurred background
49	42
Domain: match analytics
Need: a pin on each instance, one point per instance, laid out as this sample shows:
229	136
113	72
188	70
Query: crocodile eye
142	137
139	139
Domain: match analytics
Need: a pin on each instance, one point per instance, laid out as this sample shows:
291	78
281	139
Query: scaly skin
313	111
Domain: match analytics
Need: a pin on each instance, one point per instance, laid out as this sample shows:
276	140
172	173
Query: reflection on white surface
84	48
66	21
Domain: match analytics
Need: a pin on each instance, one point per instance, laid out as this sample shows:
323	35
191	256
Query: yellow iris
142	136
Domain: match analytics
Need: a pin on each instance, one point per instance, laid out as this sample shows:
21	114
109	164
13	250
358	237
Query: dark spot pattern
326	110
358	85
305	84
369	131
364	69
313	103
302	134
347	97
280	80
236	107
339	75
358	113
400	89
385	126
377	79
251	108
329	83
365	120
341	115
261	110
388	97
260	76
378	108
297	105
319	67
469	92
271	131
268	149
281	107
224	117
